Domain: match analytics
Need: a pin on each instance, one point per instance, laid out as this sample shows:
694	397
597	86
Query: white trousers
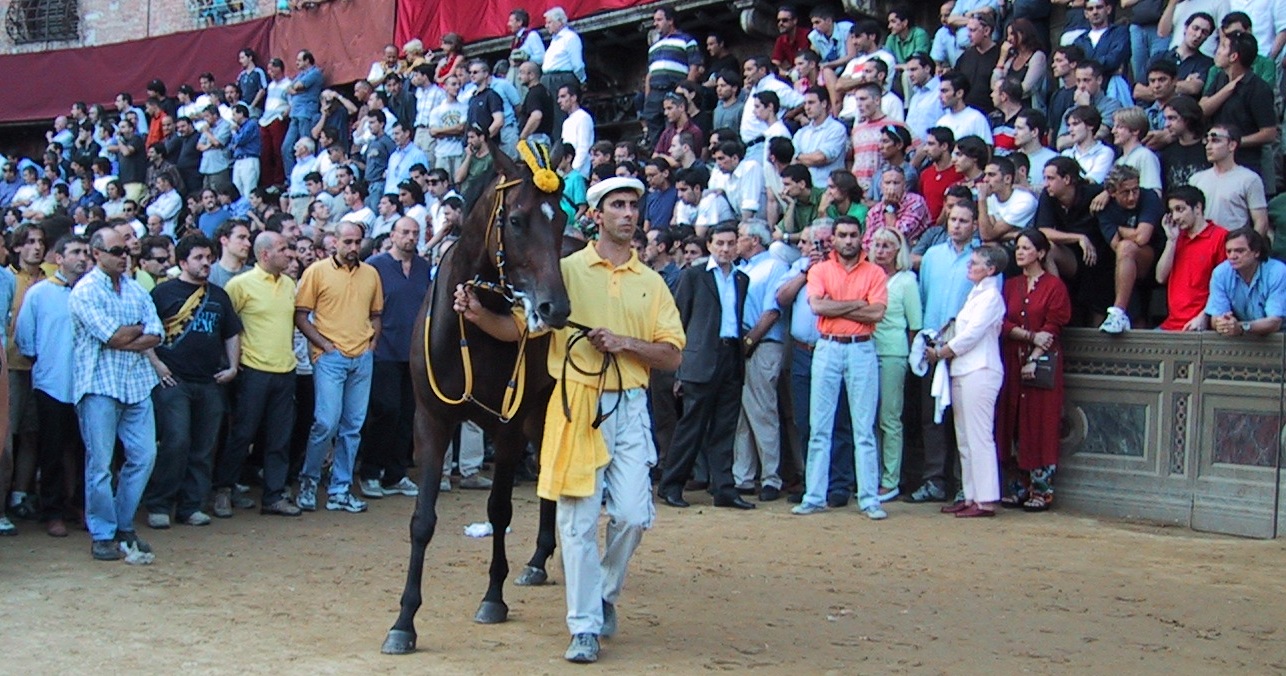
593	577
245	175
973	404
470	451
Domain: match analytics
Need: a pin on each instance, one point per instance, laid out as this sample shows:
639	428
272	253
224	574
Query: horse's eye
515	222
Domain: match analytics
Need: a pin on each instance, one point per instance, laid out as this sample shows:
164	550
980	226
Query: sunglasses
1216	137
117	251
159	259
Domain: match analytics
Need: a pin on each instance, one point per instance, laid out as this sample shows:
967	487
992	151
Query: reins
517	381
609	362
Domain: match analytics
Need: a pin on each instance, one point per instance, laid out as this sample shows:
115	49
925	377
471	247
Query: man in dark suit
711	300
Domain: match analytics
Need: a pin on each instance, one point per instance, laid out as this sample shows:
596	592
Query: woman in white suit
976	376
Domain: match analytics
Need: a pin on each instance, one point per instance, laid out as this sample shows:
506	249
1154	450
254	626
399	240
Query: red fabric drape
429	20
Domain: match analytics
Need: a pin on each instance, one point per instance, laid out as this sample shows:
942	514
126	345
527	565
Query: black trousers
267	400
59	433
386	438
708	424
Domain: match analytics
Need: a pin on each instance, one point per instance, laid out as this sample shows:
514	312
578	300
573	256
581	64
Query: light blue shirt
509	94
43	328
565	53
945	48
306	104
964	7
829	138
944	282
924	108
803	323
831	48
8	287
765	272
399	166
1264	296
727	287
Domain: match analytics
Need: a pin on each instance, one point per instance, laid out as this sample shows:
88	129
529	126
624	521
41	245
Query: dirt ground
710	590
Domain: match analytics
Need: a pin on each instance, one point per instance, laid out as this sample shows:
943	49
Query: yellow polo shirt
266	307
630	300
342	300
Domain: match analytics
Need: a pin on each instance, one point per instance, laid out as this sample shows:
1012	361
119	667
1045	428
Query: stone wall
1178	428
103	22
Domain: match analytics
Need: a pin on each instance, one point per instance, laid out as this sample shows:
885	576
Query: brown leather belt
807	347
845	340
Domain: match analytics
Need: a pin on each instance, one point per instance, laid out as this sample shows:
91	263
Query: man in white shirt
446	124
1003	210
961	119
166	205
758	79
578	126
354	196
564	61
698	207
740	181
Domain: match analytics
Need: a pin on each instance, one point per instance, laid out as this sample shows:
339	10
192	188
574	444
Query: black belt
730	342
769	340
845	340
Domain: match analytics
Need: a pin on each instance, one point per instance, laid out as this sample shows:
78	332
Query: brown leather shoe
955	507
56	528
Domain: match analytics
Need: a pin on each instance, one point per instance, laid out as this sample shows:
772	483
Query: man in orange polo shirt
338	310
848	294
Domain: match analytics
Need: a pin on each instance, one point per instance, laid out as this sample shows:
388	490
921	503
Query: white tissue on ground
481	529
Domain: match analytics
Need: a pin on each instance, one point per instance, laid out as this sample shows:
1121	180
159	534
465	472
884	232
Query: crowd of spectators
239	266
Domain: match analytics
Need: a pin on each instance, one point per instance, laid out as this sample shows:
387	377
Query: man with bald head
386	440
264	300
338	310
114	324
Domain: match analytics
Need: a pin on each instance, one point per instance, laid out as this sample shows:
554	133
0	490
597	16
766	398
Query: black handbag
1044	378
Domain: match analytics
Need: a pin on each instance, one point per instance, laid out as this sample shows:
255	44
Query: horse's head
532	228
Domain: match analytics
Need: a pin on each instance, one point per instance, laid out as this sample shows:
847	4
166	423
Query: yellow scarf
174	326
571	452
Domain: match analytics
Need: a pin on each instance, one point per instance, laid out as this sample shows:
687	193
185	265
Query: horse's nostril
545	309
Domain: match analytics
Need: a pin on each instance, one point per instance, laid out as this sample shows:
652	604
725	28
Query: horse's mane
477	189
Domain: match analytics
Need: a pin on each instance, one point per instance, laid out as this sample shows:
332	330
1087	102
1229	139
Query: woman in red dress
1037	308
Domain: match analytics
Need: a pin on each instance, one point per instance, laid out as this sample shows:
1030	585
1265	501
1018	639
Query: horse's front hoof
398	642
532	577
491	612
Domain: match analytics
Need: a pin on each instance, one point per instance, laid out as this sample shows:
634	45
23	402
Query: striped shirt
669	58
98	310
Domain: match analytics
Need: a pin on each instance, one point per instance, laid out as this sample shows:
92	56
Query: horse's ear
555	155
504	163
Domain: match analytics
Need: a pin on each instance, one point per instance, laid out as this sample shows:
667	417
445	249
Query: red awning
429	20
344	37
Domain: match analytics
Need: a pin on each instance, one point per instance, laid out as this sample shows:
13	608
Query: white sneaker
475	482
444	486
158	521
1117	321
372	489
403	487
197	518
345	502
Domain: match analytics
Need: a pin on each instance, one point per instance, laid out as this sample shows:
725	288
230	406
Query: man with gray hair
758	440
564	61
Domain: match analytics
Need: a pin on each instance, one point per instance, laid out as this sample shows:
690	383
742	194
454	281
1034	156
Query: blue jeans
801	378
856	367
300	127
102	420
1145	45
343	393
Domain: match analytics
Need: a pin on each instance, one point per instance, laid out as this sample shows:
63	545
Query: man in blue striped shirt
114	324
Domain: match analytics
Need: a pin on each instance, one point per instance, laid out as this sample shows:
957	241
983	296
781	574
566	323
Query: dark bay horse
509	249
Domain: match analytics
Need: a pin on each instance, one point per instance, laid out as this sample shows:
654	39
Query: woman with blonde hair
902	320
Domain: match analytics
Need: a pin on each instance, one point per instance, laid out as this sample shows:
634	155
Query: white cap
600	190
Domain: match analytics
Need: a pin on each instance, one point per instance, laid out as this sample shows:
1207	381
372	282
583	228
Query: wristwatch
750	342
890	209
1245	327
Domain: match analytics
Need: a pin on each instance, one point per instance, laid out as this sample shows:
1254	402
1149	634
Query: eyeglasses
159	259
117	251
784	20
1217	137
435	181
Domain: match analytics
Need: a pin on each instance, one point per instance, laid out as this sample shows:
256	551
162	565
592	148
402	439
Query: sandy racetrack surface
710	590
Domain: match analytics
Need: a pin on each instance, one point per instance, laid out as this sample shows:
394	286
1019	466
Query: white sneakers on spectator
197	518
345	502
372	489
444	486
158	521
403	487
1117	321
475	482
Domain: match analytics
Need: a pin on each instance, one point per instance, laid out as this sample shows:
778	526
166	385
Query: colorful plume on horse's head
537	158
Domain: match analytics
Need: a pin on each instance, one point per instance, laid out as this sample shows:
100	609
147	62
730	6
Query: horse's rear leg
430	446
509	448
535	573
